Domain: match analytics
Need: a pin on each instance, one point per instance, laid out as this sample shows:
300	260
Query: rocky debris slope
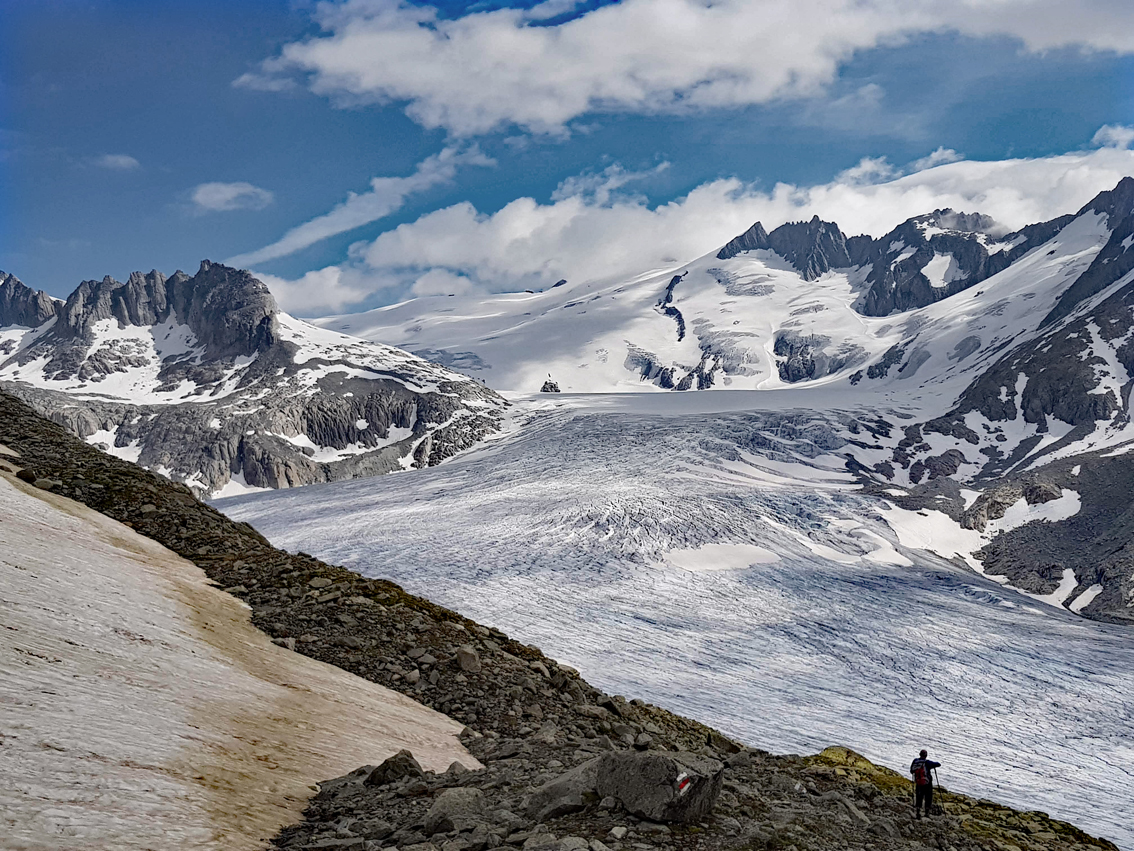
834	800
203	379
530	720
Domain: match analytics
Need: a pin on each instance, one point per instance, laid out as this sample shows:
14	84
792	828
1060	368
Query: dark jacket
929	766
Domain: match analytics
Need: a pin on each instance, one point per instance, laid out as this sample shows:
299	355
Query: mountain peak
951	220
1116	203
814	247
21	305
752	239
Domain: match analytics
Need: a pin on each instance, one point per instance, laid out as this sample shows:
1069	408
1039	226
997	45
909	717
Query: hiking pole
940	799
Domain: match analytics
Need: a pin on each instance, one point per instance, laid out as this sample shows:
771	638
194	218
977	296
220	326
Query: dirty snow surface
139	708
720	563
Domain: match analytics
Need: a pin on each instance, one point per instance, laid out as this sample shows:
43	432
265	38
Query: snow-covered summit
204	379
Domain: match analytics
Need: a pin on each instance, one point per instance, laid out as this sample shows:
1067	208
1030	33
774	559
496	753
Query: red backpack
921	774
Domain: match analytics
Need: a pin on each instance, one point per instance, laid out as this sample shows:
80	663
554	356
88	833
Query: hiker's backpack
921	774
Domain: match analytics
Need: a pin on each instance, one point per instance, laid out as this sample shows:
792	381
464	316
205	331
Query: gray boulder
402	764
568	793
661	786
468	659
459	808
656	785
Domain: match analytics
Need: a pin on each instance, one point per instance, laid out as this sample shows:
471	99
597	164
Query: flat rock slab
661	786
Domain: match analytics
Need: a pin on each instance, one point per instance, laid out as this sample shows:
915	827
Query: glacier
710	553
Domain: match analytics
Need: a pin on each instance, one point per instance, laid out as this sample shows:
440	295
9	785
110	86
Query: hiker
921	769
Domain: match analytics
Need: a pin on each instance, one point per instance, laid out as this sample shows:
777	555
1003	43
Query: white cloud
220	197
599	188
485	70
326	290
386	195
578	236
1114	136
869	170
117	162
939	157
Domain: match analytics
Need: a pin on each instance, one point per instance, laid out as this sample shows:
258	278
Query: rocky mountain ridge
204	379
535	724
904	270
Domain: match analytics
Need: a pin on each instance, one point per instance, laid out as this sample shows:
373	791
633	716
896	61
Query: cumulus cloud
326	290
869	170
220	197
1114	136
117	162
585	234
487	69
386	195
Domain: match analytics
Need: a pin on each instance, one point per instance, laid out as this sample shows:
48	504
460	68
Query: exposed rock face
1115	260
21	305
204	379
804	358
751	240
812	247
923	260
931	257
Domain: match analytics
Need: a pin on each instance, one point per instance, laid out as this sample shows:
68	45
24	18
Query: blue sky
508	149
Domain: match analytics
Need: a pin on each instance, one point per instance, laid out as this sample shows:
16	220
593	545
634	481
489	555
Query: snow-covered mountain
203	379
963	371
803	305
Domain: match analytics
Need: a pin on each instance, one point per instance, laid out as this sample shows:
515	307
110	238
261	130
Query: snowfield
140	709
719	562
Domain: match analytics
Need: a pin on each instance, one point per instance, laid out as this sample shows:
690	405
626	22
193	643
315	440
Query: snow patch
942	270
104	439
237	485
1067	505
936	532
139	691
1085	599
1067	584
710	557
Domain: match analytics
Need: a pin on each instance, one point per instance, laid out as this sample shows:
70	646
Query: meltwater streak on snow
140	709
559	534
